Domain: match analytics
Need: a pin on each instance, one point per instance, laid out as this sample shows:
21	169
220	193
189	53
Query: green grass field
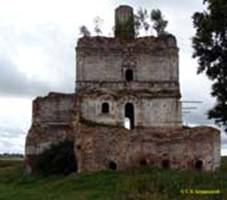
153	184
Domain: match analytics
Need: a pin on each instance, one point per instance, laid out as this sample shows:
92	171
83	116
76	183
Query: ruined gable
51	122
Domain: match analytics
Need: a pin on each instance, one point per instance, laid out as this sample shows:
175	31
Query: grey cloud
11	140
12	136
197	115
6	144
11	132
224	140
11	146
15	83
60	57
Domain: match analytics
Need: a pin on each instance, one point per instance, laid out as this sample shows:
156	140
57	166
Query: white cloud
15	120
15	113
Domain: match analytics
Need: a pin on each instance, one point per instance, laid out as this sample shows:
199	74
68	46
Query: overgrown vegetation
84	31
142	21
98	21
159	23
139	184
58	159
210	47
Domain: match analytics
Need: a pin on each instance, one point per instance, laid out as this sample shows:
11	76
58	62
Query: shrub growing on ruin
58	159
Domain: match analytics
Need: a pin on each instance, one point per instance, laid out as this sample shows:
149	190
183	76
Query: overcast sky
37	40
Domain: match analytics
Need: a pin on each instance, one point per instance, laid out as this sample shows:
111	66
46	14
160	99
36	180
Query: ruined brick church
126	109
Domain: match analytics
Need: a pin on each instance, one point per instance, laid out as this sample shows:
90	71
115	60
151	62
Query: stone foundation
101	148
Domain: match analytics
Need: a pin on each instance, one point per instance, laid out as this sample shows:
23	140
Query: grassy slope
155	184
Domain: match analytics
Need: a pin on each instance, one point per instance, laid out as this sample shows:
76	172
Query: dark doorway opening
165	164
199	165
105	108
112	165
129	113
143	162
129	75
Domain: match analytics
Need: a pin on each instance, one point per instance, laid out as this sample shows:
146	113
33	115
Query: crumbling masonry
126	109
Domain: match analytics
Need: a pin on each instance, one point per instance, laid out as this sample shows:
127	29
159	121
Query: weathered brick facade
126	110
178	148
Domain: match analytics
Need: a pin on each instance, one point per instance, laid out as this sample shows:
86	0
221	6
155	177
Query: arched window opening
112	165
105	108
199	165
129	75
129	116
166	164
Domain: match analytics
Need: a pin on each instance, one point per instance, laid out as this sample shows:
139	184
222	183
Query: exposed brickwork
101	69
51	122
54	108
181	147
137	80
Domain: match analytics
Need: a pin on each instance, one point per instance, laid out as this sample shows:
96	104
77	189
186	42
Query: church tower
128	80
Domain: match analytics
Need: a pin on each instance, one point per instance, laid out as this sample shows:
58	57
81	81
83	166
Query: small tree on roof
143	16
84	31
98	21
159	23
